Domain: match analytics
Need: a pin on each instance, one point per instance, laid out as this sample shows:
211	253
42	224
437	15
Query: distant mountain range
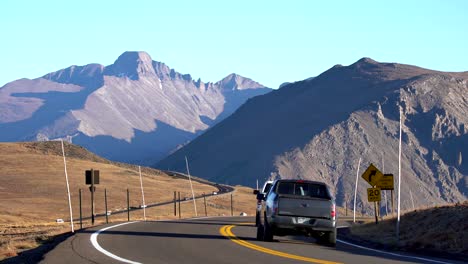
319	128
135	110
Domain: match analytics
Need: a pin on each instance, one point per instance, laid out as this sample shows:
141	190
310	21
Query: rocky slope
135	110
319	128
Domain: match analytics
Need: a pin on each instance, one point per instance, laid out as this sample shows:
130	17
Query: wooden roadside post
180	215
204	200
232	209
175	203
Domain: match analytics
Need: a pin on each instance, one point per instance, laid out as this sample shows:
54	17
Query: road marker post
68	189
412	201
355	191
399	184
191	187
81	213
105	202
142	194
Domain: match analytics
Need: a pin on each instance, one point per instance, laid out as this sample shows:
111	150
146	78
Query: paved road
207	240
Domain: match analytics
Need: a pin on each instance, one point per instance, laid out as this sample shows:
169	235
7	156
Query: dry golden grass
441	229
33	193
34	188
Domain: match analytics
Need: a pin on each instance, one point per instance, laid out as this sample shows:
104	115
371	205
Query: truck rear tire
330	238
257	219
260	234
268	232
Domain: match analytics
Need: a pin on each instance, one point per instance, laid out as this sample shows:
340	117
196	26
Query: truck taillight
333	212
275	207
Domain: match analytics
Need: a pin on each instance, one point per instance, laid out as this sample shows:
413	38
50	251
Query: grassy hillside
33	193
437	230
34	187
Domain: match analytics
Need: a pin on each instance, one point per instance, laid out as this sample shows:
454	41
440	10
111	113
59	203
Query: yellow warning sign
386	182
372	175
373	195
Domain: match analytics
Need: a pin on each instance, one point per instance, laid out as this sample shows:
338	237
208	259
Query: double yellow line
227	232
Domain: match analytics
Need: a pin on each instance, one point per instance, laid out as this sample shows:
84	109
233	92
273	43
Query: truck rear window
303	189
267	188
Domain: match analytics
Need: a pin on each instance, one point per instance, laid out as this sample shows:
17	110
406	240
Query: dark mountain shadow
244	146
144	149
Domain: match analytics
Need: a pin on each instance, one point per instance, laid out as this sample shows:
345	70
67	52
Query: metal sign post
92	197
374	177
92	178
374	195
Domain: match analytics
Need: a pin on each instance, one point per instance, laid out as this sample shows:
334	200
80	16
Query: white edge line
105	252
393	254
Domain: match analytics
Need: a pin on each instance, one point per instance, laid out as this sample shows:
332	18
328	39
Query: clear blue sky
269	41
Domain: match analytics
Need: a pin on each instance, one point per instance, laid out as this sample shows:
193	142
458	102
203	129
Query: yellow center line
226	231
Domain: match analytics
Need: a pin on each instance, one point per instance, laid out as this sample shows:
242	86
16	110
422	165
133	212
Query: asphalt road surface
206	240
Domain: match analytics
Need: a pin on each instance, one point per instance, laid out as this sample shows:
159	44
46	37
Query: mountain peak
235	81
367	60
132	64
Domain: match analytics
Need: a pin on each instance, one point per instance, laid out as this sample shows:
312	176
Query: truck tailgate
304	207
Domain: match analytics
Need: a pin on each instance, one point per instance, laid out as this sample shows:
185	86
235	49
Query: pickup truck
260	195
299	207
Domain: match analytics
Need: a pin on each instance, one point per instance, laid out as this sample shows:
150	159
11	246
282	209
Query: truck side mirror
260	196
255	191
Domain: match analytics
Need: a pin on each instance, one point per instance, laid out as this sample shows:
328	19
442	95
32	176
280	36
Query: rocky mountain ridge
135	110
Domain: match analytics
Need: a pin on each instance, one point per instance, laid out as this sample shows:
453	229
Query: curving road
205	240
222	189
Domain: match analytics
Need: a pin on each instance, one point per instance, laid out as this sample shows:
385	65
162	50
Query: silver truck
260	195
299	207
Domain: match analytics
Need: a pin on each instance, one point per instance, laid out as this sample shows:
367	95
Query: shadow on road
209	222
176	235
